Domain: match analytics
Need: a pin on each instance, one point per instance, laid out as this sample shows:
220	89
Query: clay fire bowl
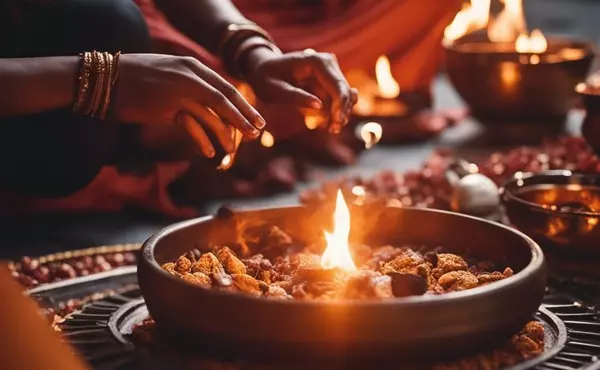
404	329
557	208
500	85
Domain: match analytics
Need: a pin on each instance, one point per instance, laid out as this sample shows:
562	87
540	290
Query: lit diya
507	73
271	283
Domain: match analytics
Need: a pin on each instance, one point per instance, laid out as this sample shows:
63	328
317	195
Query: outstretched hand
311	82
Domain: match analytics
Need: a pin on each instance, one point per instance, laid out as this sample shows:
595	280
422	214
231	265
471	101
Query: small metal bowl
556	208
590	95
418	328
501	85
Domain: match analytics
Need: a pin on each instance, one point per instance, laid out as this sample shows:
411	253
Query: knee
109	25
67	27
54	154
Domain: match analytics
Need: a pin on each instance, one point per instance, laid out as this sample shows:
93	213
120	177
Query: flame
387	86
313	122
226	161
535	43
370	133
509	23
267	140
471	18
509	26
337	253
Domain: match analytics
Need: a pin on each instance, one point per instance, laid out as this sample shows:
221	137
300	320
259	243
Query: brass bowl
591	124
501	85
556	208
418	328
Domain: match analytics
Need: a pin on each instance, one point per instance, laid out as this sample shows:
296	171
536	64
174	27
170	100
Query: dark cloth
53	154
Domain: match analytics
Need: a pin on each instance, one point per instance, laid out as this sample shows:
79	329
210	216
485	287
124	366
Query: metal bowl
556	208
591	124
502	85
407	329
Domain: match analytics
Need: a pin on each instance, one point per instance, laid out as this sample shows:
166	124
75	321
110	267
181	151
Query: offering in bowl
556	208
413	327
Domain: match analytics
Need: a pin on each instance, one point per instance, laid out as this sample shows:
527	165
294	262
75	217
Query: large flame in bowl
509	26
337	253
471	18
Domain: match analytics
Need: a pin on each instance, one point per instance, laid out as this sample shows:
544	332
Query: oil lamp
379	99
506	73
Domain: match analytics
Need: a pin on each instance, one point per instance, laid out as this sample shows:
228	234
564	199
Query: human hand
165	89
311	82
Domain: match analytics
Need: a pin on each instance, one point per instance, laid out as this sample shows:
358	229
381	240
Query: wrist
252	53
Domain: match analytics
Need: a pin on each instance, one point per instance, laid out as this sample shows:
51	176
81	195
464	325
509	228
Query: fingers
227	102
329	75
296	96
197	133
354	95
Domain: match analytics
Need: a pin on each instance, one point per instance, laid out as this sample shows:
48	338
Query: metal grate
89	331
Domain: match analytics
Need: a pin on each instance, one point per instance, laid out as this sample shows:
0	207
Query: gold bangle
84	81
93	83
99	86
236	65
233	30
107	84
98	75
116	67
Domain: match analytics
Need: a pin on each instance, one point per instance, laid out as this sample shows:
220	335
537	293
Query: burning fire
337	253
535	43
370	133
508	26
471	18
387	86
313	122
267	140
228	159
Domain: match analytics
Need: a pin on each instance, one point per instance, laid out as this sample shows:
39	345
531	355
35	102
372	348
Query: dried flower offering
382	272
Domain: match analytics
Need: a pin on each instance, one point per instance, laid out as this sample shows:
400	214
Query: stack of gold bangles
97	77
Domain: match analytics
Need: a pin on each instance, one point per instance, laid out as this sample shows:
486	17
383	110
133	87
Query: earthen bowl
544	206
501	85
404	329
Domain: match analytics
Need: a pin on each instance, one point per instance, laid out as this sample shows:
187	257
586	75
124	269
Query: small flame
471	18
226	161
370	133
509	24
313	122
337	253
535	43
387	86
267	140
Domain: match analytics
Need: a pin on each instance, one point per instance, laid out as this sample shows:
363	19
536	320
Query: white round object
476	194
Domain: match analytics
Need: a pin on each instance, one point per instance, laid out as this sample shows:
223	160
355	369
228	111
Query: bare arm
202	20
33	85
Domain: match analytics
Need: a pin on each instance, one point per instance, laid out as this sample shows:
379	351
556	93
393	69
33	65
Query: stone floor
53	233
